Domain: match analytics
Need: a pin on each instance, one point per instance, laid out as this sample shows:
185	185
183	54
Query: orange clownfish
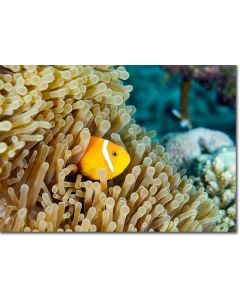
103	154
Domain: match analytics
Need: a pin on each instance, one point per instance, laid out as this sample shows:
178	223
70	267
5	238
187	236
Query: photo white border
125	266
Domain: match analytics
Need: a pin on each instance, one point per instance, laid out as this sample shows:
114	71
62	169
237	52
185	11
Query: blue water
155	94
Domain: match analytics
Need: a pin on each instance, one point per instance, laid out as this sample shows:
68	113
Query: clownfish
103	154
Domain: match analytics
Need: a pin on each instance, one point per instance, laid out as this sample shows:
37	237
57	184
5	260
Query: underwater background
156	92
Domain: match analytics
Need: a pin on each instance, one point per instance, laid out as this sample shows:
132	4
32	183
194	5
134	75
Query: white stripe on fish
106	155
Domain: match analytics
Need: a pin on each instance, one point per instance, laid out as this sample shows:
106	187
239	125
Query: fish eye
114	153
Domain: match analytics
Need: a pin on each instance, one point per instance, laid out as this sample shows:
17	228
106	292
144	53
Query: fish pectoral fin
91	172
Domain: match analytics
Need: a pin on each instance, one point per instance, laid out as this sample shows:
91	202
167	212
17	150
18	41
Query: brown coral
48	114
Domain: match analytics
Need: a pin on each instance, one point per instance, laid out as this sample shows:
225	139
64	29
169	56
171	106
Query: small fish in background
102	153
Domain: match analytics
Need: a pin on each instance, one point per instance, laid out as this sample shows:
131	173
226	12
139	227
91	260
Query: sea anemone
47	115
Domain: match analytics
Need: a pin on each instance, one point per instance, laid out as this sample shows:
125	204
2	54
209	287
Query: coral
184	115
157	96
221	78
183	148
48	114
217	174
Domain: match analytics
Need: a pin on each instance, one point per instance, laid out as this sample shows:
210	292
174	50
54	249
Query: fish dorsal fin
106	155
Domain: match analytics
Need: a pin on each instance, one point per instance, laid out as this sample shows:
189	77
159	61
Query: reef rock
184	147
